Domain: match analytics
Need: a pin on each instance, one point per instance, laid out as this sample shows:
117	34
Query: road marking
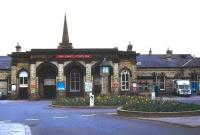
111	113
88	115
60	117
6	120
31	119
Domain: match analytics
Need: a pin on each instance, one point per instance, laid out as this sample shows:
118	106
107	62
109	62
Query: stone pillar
33	83
14	91
104	85
88	77
60	94
115	83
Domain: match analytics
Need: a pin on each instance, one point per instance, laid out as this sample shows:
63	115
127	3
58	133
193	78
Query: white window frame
125	73
76	80
23	75
162	82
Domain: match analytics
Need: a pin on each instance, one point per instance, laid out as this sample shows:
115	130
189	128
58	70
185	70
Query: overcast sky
158	24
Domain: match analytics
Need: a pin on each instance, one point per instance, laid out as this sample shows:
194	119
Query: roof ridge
187	62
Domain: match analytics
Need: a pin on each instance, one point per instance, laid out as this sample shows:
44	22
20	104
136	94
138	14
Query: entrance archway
46	74
97	78
74	73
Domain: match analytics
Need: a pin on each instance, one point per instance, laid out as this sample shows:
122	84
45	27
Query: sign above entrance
60	86
74	56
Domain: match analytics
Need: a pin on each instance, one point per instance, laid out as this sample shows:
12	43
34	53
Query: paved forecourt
43	119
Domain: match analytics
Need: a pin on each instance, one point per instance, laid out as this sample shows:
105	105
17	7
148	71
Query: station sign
60	86
73	56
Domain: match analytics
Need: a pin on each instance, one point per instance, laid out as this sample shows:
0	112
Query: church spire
65	38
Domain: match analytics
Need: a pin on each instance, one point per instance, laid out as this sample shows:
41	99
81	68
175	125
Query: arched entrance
97	78
74	73
46	74
23	84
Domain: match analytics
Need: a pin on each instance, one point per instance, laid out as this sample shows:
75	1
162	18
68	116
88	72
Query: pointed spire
65	38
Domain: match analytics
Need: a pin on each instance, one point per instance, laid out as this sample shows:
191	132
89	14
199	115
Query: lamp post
104	72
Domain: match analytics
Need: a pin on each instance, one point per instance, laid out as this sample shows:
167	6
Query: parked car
2	95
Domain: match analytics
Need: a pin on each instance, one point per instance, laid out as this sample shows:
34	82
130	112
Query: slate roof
161	61
5	62
195	62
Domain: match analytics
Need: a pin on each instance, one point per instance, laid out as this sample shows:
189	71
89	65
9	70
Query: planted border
128	113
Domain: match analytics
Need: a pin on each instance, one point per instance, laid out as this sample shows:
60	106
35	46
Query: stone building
67	72
162	69
63	71
5	74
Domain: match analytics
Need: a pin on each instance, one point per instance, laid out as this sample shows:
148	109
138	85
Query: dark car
2	95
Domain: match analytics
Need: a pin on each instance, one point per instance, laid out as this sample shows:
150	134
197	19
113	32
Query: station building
65	71
162	69
38	73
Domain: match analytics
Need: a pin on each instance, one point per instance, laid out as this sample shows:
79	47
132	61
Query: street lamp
104	72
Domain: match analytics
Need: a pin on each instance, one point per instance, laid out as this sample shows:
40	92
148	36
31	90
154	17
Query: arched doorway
97	78
46	74
74	73
23	84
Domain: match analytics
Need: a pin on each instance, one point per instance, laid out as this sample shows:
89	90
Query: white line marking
60	117
88	115
31	119
111	113
6	120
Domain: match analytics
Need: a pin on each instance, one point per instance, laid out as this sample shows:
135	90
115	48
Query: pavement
193	121
8	128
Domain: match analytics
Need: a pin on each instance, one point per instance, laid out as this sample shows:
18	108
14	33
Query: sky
155	24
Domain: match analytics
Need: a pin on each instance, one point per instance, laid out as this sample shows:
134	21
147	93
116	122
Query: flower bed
147	105
130	103
99	101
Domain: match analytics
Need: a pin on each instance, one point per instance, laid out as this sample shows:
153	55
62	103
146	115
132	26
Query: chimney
129	47
150	51
18	47
169	54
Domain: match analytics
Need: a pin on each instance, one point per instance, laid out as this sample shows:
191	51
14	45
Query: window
162	82
74	81
23	79
125	80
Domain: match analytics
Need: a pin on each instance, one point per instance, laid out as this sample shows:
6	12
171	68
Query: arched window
75	80
23	79
125	80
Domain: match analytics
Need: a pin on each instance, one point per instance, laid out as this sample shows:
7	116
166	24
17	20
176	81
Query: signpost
91	100
88	89
153	95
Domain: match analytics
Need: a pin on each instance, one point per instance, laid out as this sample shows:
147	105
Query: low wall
122	112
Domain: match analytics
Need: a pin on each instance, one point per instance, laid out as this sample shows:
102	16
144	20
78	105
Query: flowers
132	103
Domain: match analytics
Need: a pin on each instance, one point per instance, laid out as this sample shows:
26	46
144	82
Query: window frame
76	81
23	79
125	80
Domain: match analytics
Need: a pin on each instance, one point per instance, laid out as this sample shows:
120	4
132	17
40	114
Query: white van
182	87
